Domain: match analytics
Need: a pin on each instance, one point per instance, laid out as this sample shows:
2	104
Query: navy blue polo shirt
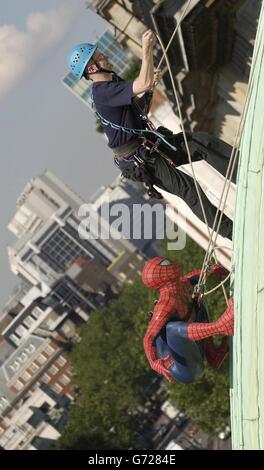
114	101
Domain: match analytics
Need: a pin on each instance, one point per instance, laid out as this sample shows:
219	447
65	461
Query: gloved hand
218	270
194	280
161	367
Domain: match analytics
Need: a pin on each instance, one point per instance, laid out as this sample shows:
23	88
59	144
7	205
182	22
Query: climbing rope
215	232
198	190
173	34
231	165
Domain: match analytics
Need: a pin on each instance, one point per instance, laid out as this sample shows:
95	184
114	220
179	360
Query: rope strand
213	234
233	158
184	135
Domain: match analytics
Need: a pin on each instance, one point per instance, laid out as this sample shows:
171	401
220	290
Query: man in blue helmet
118	104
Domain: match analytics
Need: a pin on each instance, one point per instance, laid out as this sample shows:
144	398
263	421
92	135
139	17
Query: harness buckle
138	160
198	292
151	146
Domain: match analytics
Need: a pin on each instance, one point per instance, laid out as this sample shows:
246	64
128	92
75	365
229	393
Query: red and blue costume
179	333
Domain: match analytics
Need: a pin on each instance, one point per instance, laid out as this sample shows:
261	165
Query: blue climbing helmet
79	58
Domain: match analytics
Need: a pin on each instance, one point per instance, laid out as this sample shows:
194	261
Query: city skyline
58	132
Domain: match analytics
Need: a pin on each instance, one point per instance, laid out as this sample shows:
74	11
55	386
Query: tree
112	372
133	71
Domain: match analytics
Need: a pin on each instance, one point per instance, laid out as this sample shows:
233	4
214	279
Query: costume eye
165	262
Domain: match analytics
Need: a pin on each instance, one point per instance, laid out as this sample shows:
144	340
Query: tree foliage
133	71
111	370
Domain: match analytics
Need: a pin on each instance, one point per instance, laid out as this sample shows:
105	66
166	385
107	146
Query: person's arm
144	101
191	278
145	79
160	316
218	270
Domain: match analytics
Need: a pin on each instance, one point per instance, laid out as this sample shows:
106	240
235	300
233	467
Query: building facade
51	234
213	35
139	223
36	387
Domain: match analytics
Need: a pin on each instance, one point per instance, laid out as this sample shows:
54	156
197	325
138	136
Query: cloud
19	50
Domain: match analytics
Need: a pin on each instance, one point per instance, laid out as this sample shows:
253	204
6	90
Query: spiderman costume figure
179	334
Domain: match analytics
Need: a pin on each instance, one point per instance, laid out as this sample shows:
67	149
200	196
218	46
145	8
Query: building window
15	366
25	376
61	361
49	350
61	250
23	357
36	312
21	331
53	369
19	385
41	359
56	388
46	378
4	401
28	321
49	323
64	379
15	339
33	368
30	348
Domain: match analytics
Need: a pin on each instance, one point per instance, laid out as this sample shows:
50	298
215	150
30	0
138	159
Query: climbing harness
128	130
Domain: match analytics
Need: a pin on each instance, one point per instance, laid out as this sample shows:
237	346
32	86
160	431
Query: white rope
182	126
231	169
183	130
236	144
214	234
221	284
173	34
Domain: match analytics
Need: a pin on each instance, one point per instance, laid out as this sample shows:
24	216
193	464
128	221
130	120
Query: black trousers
172	180
203	146
158	171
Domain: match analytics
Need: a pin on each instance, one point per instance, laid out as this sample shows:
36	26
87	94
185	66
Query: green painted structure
247	387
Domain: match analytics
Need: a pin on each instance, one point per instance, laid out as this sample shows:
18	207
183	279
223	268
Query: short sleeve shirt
114	102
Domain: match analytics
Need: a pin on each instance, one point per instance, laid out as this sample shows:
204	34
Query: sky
43	125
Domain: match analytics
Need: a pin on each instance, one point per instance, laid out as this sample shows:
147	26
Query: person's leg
167	177
182	357
179	156
224	325
214	151
202	146
198	331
